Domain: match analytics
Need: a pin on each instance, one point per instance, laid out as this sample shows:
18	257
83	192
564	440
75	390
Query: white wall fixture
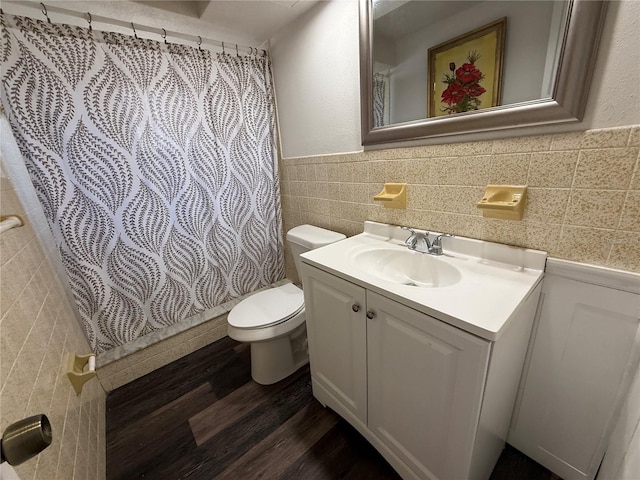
583	357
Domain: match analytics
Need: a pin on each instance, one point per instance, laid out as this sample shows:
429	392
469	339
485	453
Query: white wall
316	70
614	99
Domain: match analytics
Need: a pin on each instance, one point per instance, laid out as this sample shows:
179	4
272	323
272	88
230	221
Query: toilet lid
272	306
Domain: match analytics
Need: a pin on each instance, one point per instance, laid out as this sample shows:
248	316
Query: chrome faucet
419	242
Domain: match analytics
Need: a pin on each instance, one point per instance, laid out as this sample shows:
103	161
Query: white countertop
495	279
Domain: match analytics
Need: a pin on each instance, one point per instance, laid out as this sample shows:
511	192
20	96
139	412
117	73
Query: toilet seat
268	308
273	321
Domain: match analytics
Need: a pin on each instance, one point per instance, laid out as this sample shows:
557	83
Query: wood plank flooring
203	418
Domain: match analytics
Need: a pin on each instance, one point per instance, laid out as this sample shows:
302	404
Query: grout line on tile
526	182
43	358
610	251
571	190
64	426
26	337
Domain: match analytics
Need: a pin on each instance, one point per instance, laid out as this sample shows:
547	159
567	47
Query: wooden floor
203	418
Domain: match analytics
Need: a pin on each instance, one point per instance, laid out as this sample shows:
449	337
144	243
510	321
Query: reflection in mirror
404	33
432	68
465	73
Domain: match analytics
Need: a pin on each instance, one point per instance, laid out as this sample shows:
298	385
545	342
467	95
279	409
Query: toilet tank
308	237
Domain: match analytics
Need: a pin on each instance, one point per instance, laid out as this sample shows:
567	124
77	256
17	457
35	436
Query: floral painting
465	72
463	90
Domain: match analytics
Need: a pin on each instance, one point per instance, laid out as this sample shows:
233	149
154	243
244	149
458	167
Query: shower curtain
380	100
156	168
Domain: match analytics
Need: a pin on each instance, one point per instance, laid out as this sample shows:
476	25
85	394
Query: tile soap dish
505	202
393	195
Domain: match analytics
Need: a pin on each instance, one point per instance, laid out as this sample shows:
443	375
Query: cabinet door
336	328
583	357
426	381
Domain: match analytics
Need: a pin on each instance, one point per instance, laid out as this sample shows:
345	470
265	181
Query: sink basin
475	286
406	267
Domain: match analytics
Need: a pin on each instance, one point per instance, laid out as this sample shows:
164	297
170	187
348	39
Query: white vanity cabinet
425	379
421	353
418	389
338	343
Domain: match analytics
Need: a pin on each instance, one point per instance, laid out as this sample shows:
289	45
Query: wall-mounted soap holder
393	195
76	372
505	202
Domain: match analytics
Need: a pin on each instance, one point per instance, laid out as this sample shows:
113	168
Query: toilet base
274	360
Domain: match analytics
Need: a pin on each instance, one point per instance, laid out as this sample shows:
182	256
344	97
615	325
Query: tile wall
37	328
583	197
146	360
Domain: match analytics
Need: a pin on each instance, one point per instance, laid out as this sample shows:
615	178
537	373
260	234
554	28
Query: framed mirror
434	68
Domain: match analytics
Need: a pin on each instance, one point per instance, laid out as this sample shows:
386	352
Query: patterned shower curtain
379	94
156	168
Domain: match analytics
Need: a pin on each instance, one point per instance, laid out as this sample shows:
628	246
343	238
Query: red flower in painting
468	73
463	87
474	90
454	93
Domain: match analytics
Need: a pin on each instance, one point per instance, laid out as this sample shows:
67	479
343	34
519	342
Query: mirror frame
567	104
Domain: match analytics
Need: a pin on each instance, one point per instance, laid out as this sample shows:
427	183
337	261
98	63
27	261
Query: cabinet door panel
585	349
425	382
337	336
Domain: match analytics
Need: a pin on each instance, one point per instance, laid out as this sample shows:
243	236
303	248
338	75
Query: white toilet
273	320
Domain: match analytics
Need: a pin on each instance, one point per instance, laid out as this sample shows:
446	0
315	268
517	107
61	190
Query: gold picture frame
481	52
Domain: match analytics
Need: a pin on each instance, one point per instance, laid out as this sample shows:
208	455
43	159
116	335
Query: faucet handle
413	232
436	246
411	240
438	239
